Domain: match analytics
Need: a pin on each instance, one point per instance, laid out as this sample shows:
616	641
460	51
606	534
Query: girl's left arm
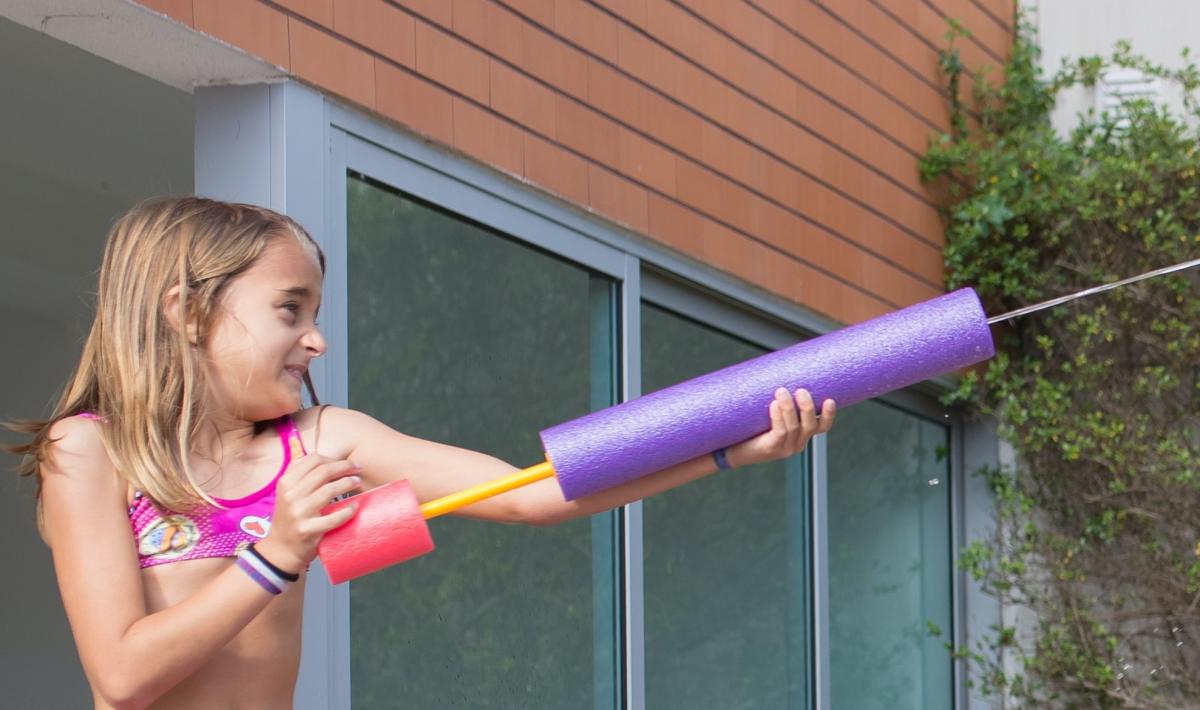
435	470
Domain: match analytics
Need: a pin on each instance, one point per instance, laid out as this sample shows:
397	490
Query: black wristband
289	576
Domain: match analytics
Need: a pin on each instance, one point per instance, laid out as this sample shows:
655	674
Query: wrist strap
721	459
289	576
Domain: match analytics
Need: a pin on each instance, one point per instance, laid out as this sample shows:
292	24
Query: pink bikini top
208	531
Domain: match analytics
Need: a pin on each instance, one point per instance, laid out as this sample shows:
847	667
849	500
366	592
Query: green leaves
1096	528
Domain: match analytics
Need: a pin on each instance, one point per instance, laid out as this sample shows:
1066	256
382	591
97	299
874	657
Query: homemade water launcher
624	442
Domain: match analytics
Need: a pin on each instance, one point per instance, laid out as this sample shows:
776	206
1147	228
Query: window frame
721	310
289	147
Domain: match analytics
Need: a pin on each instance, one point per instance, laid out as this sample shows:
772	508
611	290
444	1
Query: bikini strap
293	445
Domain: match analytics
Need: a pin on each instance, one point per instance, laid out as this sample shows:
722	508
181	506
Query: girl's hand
309	484
793	423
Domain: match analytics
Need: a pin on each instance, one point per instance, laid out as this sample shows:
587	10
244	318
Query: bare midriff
256	670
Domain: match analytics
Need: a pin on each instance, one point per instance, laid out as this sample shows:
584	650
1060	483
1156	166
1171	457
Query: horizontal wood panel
776	140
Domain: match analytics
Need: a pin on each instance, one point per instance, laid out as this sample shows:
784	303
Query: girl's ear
171	305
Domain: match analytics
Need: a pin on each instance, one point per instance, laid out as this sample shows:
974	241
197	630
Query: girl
181	482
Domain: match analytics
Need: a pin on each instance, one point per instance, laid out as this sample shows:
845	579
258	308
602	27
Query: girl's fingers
778	426
808	415
333	489
294	484
324	523
298	523
298	470
828	412
787	410
322	475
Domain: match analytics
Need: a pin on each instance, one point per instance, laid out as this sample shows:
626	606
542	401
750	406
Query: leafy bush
1098	526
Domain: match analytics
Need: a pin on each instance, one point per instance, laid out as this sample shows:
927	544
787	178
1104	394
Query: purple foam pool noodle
664	428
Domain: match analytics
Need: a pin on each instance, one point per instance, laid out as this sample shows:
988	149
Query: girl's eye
293	307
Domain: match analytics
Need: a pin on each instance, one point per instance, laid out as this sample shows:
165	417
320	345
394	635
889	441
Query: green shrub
1098	526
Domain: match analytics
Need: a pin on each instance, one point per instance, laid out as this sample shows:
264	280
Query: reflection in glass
464	337
889	561
726	560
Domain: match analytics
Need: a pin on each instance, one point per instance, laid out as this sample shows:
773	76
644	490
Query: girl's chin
294	402
291	404
287	403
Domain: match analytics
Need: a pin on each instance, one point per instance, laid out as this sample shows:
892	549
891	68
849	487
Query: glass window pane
726	559
462	336
889	560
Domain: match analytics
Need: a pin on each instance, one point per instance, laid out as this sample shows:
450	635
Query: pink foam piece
388	529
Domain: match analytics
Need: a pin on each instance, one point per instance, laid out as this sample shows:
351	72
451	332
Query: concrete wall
82	140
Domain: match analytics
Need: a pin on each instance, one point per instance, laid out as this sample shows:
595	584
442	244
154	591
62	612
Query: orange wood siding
776	140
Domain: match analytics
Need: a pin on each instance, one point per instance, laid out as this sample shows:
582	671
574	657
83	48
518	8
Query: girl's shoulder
334	432
78	479
323	429
77	438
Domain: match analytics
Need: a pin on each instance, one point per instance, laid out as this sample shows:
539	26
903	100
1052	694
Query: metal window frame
775	330
289	147
475	193
819	513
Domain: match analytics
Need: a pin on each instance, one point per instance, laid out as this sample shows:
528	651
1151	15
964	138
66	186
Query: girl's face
265	334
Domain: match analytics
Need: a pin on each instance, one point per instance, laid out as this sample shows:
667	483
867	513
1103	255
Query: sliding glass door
890	589
726	558
463	336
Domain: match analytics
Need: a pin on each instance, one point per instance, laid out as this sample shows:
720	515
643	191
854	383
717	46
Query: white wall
1157	29
81	140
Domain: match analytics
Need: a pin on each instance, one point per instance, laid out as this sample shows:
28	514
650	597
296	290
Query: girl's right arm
132	657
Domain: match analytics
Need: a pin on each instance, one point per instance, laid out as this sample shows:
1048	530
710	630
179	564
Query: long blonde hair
138	371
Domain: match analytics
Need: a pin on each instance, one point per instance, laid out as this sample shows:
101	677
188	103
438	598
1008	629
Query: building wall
774	140
1069	29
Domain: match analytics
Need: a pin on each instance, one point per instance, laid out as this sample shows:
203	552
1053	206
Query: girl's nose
314	342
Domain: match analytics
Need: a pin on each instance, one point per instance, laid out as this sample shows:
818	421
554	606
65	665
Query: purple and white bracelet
268	576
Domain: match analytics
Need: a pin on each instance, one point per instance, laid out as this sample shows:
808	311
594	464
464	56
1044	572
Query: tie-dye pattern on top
166	536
